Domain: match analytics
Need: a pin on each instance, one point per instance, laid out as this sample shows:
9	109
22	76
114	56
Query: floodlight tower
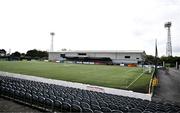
168	44
52	34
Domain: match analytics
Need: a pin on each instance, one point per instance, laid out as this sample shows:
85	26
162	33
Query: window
62	55
127	57
81	53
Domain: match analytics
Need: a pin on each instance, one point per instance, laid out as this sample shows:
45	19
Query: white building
101	56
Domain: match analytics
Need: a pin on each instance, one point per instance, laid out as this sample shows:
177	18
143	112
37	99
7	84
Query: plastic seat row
52	97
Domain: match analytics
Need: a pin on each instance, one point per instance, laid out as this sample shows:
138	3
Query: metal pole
177	67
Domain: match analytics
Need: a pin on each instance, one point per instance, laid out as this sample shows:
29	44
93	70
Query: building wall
54	56
117	58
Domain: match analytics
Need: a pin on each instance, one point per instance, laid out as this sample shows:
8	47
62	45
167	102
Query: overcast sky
89	24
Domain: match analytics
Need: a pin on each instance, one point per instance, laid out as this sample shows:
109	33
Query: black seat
94	102
76	108
95	107
60	99
11	93
28	98
34	99
41	101
135	110
103	104
97	111
86	100
76	102
57	105
49	104
22	95
66	107
113	107
116	111
105	109
53	97
123	109
67	100
87	110
85	105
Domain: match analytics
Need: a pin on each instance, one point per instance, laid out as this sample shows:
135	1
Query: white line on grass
135	79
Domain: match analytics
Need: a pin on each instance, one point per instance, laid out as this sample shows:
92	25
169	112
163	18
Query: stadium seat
95	107
57	105
41	101
66	107
22	96
75	102
94	102
105	109
103	104
88	110
116	111
113	107
28	98
123	109
59	98
135	110
97	111
49	104
76	108
85	105
67	100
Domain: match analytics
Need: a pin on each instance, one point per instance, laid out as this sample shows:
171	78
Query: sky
89	25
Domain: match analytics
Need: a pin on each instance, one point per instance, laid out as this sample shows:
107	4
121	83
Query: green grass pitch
101	75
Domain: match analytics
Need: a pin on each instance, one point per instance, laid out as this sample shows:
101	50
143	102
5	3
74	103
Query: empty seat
113	107
22	95
76	102
49	104
34	99
53	97
103	104
28	98
135	110
85	105
95	107
66	107
41	101
105	109
116	111
57	105
94	102
123	109
76	108
67	100
87	110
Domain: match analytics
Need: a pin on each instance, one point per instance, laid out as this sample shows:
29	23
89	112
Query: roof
100	51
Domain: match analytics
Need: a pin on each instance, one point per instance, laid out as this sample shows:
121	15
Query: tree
32	53
37	54
23	54
170	60
2	52
16	54
149	59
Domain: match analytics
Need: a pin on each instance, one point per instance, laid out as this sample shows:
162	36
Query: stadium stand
50	97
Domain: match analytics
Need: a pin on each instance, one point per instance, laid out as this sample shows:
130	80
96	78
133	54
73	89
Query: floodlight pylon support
52	41
168	44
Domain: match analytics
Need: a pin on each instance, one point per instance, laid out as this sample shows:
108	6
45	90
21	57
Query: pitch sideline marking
135	79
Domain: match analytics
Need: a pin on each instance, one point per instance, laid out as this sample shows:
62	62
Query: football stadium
79	83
